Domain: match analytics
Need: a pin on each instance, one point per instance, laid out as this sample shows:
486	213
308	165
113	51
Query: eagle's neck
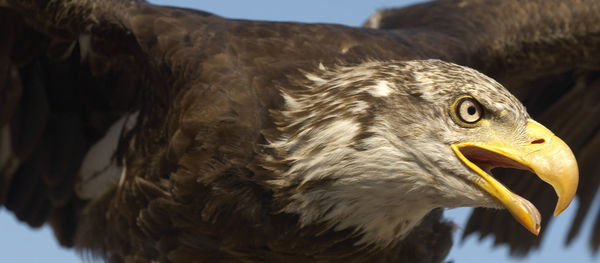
343	166
367	190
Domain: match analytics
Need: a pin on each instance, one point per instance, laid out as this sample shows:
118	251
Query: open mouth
486	161
545	155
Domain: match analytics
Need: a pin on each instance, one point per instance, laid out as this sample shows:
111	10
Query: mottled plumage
544	52
361	129
143	133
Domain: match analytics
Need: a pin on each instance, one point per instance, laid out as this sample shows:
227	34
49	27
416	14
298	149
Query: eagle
144	133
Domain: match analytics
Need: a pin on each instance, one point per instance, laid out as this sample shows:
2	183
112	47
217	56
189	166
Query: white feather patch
316	79
99	172
381	88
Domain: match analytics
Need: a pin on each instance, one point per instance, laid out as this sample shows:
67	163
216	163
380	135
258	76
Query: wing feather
54	107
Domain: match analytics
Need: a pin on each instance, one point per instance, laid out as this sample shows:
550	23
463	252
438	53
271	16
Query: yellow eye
467	110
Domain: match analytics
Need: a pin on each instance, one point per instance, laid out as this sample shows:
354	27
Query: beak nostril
538	141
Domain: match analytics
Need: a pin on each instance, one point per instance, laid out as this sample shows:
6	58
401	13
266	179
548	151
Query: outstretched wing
59	95
64	81
547	53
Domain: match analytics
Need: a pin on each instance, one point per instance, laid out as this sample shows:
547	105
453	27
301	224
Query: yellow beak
544	154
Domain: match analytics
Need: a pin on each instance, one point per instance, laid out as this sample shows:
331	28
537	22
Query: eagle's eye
467	111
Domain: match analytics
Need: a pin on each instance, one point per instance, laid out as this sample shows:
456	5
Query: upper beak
544	154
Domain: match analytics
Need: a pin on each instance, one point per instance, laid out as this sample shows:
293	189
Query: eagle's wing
66	75
547	53
59	95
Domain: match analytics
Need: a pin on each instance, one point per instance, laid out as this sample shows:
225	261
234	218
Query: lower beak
544	154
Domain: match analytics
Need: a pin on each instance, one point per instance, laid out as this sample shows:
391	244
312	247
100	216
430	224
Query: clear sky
22	244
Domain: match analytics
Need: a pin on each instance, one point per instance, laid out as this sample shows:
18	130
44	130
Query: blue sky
22	244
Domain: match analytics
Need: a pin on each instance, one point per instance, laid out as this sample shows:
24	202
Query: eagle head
376	146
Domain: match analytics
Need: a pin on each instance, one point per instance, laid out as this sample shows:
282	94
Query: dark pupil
471	110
